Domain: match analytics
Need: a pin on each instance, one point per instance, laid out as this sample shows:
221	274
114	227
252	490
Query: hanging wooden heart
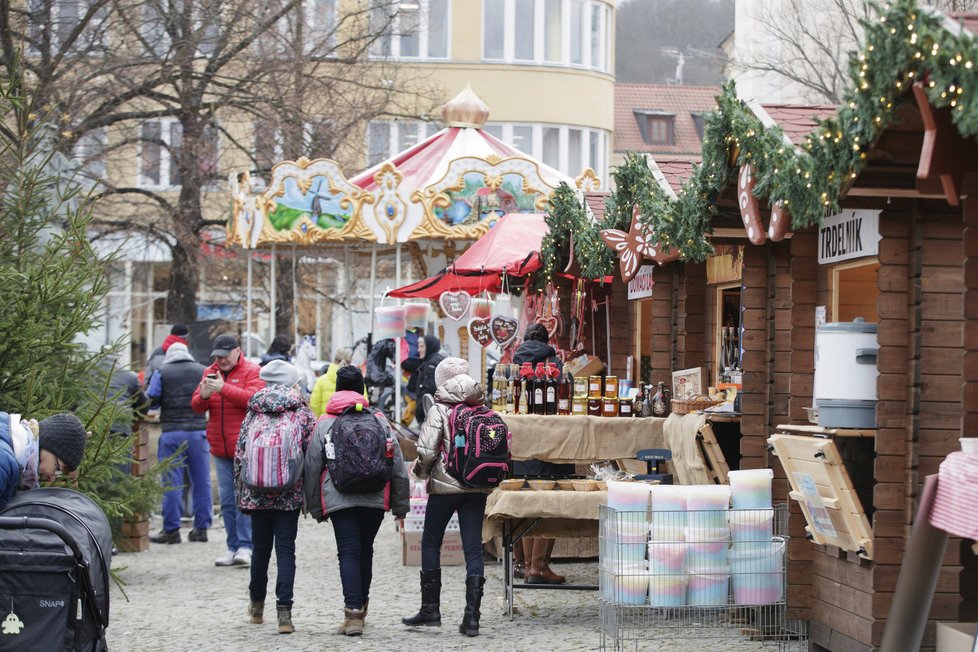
455	304
480	331
503	329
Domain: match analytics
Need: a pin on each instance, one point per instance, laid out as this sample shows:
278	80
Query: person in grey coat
356	517
447	496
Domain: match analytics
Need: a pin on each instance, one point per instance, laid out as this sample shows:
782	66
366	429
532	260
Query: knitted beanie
448	369
349	379
180	329
64	436
279	372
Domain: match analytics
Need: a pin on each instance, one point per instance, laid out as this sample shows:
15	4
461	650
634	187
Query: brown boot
353	622
540	572
285	620
255	612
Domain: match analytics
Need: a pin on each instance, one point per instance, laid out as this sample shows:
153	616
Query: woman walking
446	497
356	517
274	516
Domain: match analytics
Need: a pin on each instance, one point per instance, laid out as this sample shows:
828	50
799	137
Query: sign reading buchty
640	287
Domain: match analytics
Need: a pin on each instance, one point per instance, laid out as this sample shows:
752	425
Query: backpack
273	452
479	456
359	451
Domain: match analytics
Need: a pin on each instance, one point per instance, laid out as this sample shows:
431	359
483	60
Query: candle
667	558
708	506
416	315
751	489
629	496
758	572
389	322
632	586
709	588
667	590
752	525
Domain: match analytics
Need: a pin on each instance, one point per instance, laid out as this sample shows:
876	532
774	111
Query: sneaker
166	536
227	559
197	535
242	557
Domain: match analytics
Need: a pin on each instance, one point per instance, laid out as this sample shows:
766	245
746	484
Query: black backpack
479	454
359	451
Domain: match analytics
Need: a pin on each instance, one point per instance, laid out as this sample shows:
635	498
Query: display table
575	439
512	515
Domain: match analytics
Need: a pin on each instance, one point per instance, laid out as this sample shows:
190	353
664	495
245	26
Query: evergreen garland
906	44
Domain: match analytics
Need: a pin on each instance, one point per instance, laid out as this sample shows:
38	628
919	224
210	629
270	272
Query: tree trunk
181	300
284	296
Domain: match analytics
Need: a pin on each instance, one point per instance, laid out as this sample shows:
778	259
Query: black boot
473	600
430	613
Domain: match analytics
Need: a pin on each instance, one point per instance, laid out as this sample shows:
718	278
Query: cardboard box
585	365
955	637
451	549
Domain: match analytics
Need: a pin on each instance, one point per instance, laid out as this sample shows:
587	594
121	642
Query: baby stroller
55	546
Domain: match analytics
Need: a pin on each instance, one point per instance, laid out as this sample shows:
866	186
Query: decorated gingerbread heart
503	329
480	331
455	304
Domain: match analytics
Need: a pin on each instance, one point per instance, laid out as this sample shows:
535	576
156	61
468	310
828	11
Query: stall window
855	290
727	334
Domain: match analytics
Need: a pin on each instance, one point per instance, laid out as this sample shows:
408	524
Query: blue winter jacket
9	468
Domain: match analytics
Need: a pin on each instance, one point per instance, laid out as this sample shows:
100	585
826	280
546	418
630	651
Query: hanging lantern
389	322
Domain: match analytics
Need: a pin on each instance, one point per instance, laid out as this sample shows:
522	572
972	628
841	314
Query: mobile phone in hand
211	376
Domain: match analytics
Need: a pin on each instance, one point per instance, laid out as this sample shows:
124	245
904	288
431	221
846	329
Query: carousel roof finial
465	110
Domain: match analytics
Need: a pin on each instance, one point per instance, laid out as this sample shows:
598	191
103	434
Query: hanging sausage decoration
749	209
780	218
636	245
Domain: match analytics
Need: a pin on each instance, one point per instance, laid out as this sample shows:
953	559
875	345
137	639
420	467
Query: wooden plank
712	454
833	432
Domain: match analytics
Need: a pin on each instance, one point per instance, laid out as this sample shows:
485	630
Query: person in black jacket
536	348
422	380
170	389
279	349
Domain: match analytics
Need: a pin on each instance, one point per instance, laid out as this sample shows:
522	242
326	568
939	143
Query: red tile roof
798	120
680	101
676	171
968	21
595	201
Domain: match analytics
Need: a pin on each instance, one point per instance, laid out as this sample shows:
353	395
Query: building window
657	127
160	145
87	155
565	32
415	29
568	149
272	144
386	138
57	19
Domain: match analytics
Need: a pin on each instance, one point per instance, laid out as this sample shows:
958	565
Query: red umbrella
512	246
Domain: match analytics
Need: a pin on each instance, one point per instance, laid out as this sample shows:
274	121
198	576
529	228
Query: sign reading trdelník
850	234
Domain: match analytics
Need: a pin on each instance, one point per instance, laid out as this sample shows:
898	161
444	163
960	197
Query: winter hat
279	372
180	330
448	369
64	436
349	379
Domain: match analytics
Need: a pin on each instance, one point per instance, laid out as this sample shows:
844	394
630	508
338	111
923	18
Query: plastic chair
653	458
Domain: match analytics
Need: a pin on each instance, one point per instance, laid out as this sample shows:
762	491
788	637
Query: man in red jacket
227	386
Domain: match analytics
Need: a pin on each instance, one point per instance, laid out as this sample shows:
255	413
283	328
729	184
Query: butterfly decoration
635	246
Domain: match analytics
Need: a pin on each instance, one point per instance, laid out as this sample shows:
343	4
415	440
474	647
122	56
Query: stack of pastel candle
703	554
751	489
758	572
667	558
480	308
708	505
416	315
631	585
747	525
709	588
667	590
629	496
389	322
668	512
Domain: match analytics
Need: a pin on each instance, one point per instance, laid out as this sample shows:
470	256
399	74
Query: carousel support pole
373	291
248	306
607	328
273	298
319	310
397	342
295	304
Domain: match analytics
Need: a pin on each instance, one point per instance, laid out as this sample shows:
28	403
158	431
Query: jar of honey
611	386
580	386
625	407
594	407
609	407
579	406
594	387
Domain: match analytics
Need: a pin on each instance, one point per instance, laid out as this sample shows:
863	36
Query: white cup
969	445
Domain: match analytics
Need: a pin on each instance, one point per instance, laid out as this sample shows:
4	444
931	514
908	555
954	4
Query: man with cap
178	333
227	386
32	453
171	389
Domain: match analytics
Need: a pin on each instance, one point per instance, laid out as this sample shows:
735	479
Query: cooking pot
845	374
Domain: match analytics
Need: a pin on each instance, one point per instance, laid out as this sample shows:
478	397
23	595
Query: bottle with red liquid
540	390
550	387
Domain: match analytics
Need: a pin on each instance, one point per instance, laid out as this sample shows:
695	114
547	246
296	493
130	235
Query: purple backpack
479	455
359	451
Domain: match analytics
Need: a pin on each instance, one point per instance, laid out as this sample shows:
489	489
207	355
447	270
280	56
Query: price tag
330	451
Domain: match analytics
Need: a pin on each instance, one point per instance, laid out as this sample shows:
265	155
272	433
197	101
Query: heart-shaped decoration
550	323
455	304
480	331
503	329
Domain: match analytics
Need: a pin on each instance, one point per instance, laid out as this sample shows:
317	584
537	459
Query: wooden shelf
819	431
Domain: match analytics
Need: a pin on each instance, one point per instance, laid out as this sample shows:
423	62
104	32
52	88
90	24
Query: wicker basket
692	404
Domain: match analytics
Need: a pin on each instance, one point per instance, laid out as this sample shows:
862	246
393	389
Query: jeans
196	456
237	525
280	527
471	508
355	529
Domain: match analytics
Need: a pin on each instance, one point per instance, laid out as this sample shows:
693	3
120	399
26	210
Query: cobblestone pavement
179	601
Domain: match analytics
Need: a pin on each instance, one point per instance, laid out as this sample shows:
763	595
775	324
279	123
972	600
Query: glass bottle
647	402
539	390
564	391
660	408
639	401
496	394
667	397
524	403
551	375
510	403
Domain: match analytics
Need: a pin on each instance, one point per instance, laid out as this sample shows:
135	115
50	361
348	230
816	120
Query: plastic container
629	496
667	590
708	587
666	533
627	526
619	555
389	322
757	572
751	525
751	489
669	498
707	555
969	445
845	413
667	558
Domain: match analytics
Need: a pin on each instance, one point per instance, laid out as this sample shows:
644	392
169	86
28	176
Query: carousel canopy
511	247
